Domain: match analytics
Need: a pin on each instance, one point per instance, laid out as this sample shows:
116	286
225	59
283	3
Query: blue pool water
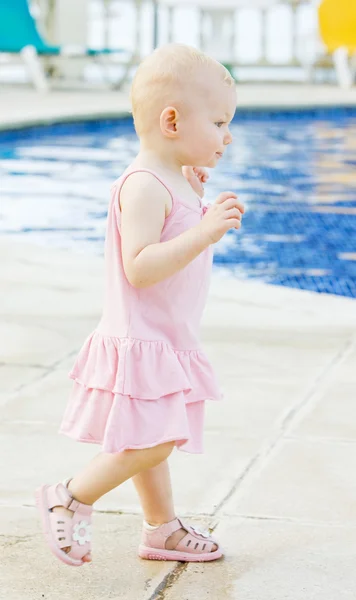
295	172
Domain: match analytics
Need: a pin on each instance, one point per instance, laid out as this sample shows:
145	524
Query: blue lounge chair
19	35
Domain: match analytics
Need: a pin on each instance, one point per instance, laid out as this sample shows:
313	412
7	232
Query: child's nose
227	138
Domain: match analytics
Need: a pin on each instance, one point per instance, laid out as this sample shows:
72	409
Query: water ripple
295	172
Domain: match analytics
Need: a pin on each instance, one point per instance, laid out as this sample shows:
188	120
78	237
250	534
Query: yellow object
337	23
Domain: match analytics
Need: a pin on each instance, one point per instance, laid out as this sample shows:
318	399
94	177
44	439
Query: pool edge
26	108
59	119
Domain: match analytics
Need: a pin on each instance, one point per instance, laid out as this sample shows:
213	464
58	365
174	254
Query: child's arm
147	260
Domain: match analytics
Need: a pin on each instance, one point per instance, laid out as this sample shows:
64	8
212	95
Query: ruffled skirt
119	422
134	394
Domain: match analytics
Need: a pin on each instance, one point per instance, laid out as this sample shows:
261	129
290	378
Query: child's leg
107	471
155	491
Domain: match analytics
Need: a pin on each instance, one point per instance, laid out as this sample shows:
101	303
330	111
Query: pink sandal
194	547
62	531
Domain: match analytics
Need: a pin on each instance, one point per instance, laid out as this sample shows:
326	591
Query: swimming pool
295	171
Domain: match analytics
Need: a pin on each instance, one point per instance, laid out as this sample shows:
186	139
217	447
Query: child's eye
219	123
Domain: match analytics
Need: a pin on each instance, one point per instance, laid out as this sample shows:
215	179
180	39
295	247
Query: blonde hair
160	77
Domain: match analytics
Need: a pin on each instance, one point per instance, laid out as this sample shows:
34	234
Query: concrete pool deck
277	480
24	106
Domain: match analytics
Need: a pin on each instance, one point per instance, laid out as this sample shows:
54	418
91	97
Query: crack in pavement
168	581
259	461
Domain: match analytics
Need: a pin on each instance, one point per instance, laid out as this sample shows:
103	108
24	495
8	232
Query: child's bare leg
107	471
155	491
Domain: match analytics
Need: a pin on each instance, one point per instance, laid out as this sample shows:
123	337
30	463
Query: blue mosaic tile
294	170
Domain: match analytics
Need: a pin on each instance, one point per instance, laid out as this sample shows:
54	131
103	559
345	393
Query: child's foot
66	523
177	536
175	541
69	514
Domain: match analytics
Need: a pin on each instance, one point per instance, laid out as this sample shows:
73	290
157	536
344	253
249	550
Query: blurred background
286	40
293	161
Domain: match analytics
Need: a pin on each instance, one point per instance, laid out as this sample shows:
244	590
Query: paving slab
44	308
48	264
41	401
302	479
279	458
273	560
41	344
42	283
259	308
253	408
33	300
200	482
333	415
28	571
347	369
264	356
13	377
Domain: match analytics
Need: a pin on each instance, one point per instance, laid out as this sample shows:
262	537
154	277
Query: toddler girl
141	379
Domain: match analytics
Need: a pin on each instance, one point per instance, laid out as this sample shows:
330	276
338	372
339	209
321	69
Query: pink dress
142	378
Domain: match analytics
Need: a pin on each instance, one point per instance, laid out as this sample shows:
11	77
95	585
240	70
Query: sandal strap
190	543
59	495
166	529
196	541
157	538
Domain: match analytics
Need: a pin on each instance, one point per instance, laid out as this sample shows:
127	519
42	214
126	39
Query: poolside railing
219	28
282	33
208	18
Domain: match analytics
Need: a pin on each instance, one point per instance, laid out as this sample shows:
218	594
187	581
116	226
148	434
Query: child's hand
225	214
196	176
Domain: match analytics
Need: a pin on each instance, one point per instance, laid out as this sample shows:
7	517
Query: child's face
204	132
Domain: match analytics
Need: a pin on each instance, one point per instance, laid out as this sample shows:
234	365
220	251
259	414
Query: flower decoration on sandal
82	533
204	534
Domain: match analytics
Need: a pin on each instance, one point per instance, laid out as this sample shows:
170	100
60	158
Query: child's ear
168	121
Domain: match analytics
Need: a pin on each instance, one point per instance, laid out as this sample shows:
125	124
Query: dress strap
123	178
